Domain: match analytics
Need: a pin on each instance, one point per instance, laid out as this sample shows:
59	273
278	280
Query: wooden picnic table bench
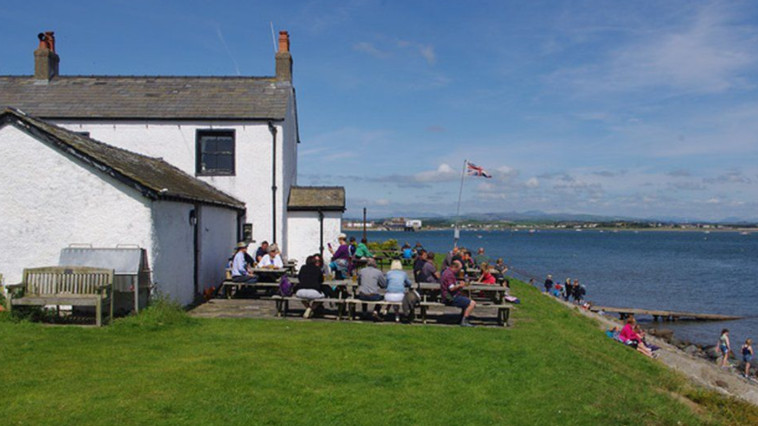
65	285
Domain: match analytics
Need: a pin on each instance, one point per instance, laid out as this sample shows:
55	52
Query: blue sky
644	109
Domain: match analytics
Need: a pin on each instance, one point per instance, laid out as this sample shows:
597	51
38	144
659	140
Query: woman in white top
273	259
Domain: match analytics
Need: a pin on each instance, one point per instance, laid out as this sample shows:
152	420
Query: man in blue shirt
240	268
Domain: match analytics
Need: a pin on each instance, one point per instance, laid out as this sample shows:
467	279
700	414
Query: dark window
215	152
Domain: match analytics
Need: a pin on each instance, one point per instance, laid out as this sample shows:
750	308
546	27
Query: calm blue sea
715	272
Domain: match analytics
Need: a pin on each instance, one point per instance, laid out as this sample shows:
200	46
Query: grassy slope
553	367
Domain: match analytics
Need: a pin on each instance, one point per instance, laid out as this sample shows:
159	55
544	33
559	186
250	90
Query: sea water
715	272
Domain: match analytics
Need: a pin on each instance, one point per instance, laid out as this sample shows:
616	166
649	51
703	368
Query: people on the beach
451	292
340	258
632	338
567	290
370	280
578	291
309	289
241	269
724	347
548	284
747	356
397	283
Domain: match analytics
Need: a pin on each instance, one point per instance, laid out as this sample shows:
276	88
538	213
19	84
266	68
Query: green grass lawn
552	367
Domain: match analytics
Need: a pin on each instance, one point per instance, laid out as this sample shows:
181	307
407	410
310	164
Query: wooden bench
283	304
66	285
503	310
353	302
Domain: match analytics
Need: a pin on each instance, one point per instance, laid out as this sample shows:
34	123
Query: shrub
161	312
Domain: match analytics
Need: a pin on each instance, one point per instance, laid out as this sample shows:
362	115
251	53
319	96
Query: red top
488	278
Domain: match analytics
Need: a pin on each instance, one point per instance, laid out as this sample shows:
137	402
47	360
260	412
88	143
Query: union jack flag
474	170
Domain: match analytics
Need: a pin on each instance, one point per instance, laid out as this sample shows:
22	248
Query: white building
61	188
238	134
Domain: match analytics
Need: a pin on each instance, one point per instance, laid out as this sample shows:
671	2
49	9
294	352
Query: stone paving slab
265	308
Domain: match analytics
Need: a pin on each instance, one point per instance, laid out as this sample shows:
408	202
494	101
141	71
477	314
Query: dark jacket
311	277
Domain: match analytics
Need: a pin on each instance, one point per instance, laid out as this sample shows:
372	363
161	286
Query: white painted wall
173	250
49	201
218	238
304	233
175	142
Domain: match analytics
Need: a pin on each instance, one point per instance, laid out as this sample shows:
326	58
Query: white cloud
427	52
369	48
533	182
709	53
444	172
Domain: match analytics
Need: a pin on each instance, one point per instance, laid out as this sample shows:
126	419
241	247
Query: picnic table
493	292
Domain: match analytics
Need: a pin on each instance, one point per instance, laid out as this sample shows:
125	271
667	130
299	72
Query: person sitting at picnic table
480	256
397	282
451	292
362	251
310	280
340	258
419	263
262	251
485	276
454	254
466	260
272	259
418	247
352	246
428	273
370	280
407	252
500	269
241	270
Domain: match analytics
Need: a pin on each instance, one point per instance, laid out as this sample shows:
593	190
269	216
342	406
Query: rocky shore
710	353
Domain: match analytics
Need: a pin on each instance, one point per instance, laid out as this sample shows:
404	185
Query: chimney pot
45	59
284	58
284	41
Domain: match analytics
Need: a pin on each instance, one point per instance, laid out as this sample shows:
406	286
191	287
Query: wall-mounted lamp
193	217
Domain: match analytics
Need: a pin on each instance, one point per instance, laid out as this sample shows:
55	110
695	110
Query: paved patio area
264	308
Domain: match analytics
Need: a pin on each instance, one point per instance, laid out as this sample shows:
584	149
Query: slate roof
159	98
153	177
313	198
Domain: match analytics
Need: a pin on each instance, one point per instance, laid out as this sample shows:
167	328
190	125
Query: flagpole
456	231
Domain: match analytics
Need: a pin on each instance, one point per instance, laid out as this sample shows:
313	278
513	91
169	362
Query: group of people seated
395	284
345	255
242	264
632	335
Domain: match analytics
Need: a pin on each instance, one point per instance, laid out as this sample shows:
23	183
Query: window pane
216	152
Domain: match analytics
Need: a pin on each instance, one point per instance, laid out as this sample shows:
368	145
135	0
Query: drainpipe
272	129
321	233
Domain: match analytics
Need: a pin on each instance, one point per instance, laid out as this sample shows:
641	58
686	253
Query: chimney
284	58
45	59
